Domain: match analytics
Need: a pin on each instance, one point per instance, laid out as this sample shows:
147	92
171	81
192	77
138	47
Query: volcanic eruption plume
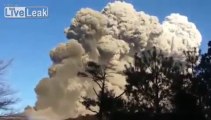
109	37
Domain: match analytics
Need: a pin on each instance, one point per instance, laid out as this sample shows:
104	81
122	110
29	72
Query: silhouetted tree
106	100
6	94
166	88
149	82
186	107
202	85
158	88
188	98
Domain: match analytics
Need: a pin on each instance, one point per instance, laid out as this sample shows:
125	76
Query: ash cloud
111	37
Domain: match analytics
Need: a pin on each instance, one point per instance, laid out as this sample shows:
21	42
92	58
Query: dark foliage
202	86
186	107
149	82
158	88
106	101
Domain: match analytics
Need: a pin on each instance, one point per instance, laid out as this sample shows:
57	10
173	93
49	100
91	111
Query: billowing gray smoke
111	37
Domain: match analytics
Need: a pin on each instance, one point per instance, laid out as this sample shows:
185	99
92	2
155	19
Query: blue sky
28	41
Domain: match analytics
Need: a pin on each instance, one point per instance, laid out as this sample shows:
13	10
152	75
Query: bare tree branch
6	94
96	92
120	94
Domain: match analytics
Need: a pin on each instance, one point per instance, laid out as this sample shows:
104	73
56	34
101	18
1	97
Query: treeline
158	88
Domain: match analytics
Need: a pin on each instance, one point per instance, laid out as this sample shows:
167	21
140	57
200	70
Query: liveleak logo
26	12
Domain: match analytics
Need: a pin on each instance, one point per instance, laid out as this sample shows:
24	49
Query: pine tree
149	82
188	98
202	87
106	101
